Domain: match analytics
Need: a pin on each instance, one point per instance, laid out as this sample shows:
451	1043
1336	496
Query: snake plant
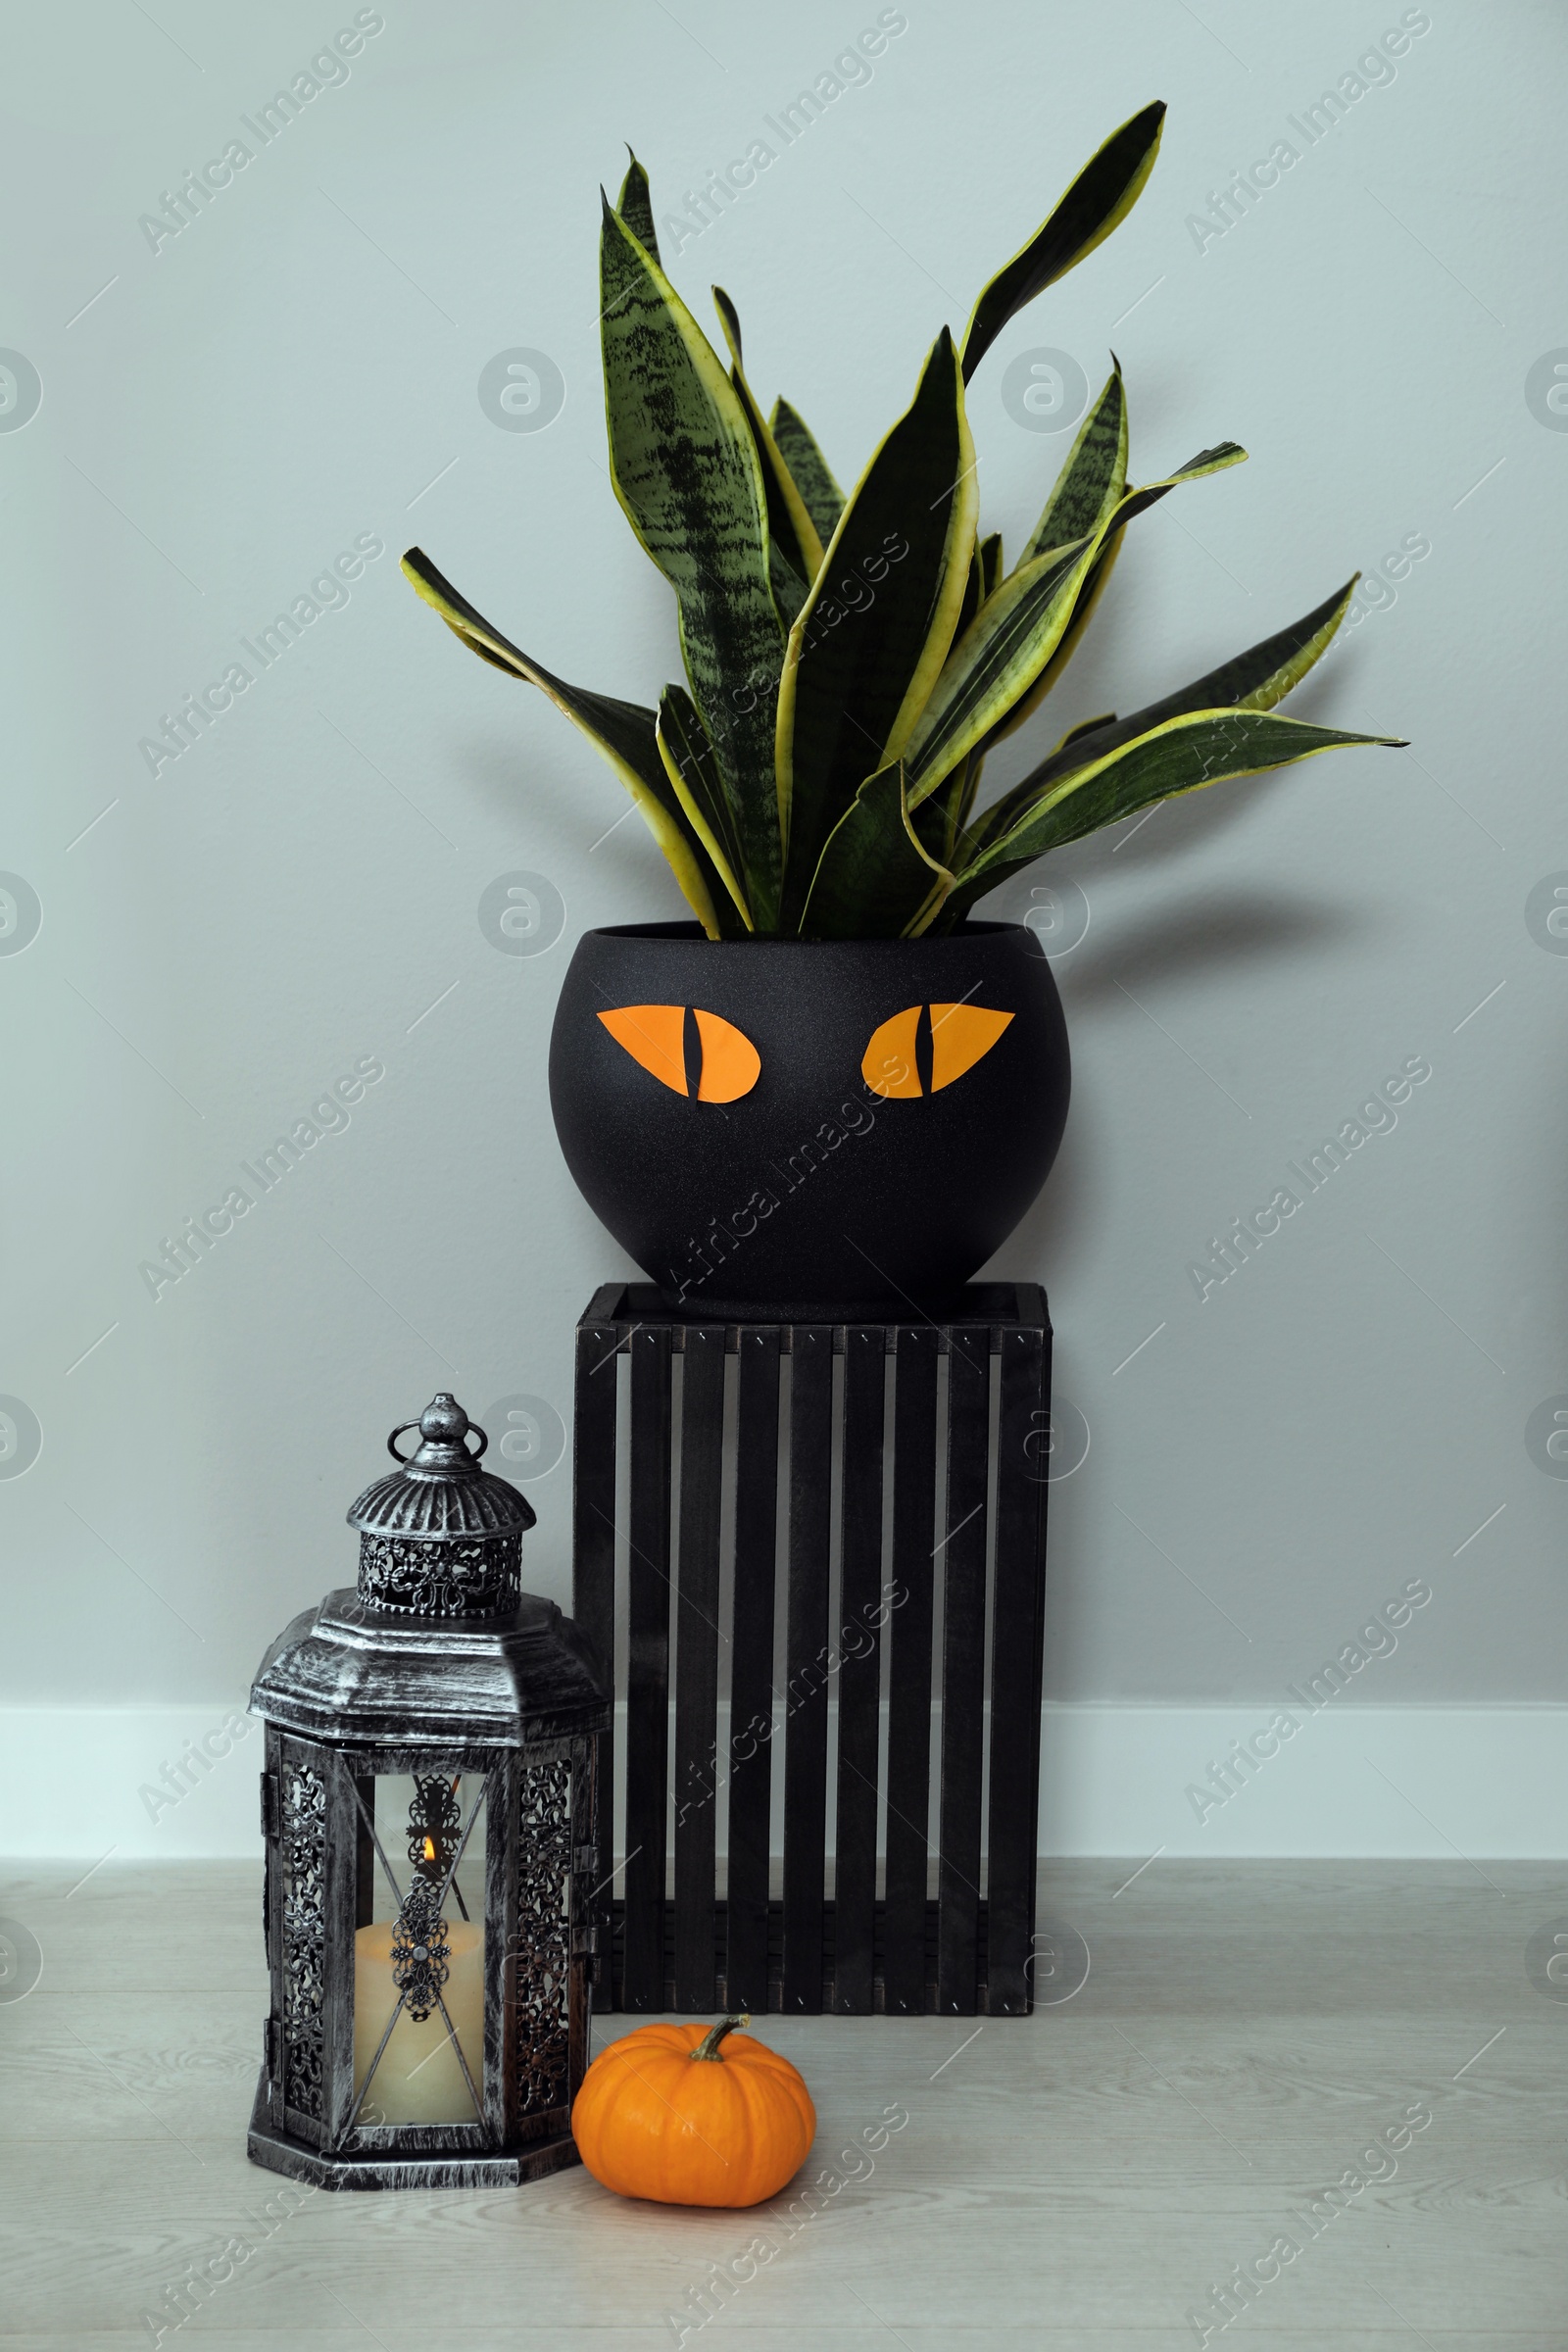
851	661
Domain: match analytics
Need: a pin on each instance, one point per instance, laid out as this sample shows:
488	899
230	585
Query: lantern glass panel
420	1948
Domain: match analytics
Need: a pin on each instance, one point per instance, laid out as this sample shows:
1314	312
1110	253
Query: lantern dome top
438	1647
439	1490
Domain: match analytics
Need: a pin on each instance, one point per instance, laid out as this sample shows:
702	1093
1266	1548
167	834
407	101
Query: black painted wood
695	1758
964	1671
751	1716
905	1953
1032	1708
806	1687
1022	1460
858	1641
648	1670
914	1441
593	1545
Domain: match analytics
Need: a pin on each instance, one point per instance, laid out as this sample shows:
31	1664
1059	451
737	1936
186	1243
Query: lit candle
418	2080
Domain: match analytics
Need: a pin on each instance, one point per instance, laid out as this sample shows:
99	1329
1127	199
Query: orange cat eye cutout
653	1035
960	1036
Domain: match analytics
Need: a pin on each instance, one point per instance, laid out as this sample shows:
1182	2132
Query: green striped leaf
692	772
791	529
808	470
635	205
1016	631
1087	726
624	732
789	589
685	469
1099	198
941	818
994	662
941	821
1253	681
1093	477
729	318
876	628
1183	754
1083	612
1088	489
974	592
873	880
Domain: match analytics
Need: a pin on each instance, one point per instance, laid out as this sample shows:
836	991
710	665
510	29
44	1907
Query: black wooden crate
967	1952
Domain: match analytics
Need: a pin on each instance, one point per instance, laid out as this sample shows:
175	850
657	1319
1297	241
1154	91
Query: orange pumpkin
689	2117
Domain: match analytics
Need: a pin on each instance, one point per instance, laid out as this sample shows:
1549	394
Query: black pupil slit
922	1049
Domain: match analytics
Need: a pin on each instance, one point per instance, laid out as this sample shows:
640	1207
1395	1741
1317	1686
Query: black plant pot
786	1127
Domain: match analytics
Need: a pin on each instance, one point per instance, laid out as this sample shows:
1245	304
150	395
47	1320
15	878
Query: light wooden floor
1080	2178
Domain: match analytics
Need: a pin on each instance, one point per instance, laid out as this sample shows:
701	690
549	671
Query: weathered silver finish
439	1668
348	1670
304	1861
438	1535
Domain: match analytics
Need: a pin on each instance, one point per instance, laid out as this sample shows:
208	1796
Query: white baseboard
1438	1783
1397	1782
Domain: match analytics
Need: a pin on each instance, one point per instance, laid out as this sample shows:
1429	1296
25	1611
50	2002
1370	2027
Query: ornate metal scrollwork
304	1848
544	1934
453	1577
420	1952
434	1824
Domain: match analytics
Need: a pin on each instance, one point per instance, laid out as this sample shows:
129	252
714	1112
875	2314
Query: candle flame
429	1849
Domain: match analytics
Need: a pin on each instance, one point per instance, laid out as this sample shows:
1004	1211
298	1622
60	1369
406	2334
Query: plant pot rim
689	933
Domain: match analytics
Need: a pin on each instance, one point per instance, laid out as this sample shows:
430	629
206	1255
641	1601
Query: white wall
299	889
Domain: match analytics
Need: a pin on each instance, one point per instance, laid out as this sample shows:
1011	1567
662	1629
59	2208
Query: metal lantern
427	1804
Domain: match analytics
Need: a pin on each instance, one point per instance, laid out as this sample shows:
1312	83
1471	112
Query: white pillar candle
418	2080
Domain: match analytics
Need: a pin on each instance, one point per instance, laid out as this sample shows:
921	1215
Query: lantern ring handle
473	1430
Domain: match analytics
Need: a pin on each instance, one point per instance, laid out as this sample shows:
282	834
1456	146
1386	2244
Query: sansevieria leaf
994	662
974	591
809	468
1083	612
941	820
876	628
1016	631
635	205
873	880
1091	483
1253	681
1185	753
791	528
849	663
1093	477
1102	195
692	772
685	469
624	732
1087	726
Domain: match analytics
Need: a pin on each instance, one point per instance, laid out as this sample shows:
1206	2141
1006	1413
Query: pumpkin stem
709	2047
